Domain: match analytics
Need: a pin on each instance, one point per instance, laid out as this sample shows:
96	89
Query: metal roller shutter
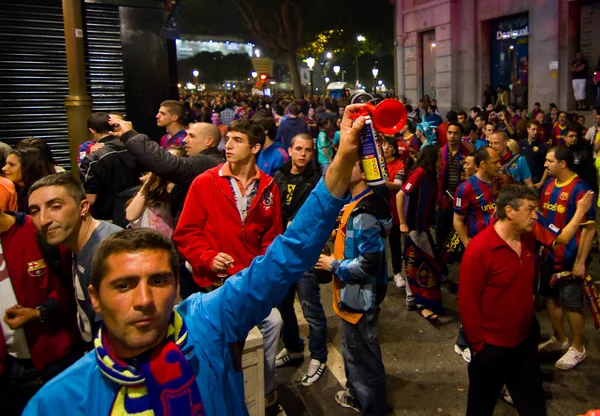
33	70
104	60
33	75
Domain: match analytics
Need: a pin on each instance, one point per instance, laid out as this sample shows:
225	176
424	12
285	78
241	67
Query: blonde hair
513	146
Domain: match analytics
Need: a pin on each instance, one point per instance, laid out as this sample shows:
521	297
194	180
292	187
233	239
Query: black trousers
517	367
395	239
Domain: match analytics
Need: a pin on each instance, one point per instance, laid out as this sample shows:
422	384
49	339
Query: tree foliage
291	28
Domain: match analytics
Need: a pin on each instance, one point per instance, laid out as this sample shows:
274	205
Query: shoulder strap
512	160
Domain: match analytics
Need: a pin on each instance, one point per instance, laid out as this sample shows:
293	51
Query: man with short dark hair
290	126
296	180
171	116
462	117
107	172
559	130
568	263
450	176
579	69
215	119
61	213
231	215
272	155
186	357
496	302
583	159
534	152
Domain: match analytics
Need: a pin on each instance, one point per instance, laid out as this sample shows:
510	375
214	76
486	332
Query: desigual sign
512	33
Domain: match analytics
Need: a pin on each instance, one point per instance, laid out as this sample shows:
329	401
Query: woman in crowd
396	172
151	206
425	134
416	204
23	167
44	149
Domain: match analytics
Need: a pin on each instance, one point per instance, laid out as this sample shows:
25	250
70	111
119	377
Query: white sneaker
552	345
285	357
400	281
465	354
313	372
571	359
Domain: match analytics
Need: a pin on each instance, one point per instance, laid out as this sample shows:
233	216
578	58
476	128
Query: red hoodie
210	223
34	283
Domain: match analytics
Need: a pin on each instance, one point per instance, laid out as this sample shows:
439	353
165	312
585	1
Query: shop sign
512	34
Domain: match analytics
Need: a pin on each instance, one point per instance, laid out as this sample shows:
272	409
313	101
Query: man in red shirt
231	215
497	279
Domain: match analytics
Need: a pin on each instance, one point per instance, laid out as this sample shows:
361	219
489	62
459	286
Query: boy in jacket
230	216
360	282
296	180
135	285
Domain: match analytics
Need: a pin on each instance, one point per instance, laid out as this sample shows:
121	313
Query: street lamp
374	71
361	38
257	53
326	80
195	73
310	62
328	55
336	71
254	74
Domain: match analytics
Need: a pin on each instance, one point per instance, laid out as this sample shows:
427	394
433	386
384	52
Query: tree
286	26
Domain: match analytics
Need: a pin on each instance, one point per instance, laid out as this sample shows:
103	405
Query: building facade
452	50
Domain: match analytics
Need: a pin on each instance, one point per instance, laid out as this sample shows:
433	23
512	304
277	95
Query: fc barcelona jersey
558	135
558	204
474	200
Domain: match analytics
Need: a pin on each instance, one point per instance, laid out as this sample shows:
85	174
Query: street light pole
336	71
374	71
310	62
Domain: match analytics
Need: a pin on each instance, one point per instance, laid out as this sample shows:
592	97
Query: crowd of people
145	276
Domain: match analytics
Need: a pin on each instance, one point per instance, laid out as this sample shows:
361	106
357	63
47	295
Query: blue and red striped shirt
558	135
558	204
421	189
474	200
176	140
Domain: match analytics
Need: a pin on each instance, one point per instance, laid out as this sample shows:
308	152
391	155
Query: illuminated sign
512	34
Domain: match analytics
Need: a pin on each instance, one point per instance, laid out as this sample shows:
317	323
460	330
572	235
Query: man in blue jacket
152	357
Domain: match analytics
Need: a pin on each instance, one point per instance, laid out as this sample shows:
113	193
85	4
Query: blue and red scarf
160	383
442	197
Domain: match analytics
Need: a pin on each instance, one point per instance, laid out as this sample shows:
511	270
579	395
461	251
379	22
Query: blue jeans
363	364
310	300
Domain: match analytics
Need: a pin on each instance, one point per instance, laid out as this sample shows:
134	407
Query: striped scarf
159	382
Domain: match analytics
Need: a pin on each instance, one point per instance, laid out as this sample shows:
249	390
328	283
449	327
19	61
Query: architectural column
78	102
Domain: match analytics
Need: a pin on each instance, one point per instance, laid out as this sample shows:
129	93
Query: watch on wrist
43	313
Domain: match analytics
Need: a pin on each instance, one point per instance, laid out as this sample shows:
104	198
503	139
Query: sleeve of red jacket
473	276
277	227
189	235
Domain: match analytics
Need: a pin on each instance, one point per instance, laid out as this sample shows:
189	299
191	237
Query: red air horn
388	117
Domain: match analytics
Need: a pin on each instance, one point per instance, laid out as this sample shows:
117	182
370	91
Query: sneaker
465	354
313	372
552	345
400	281
285	357
571	359
347	400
